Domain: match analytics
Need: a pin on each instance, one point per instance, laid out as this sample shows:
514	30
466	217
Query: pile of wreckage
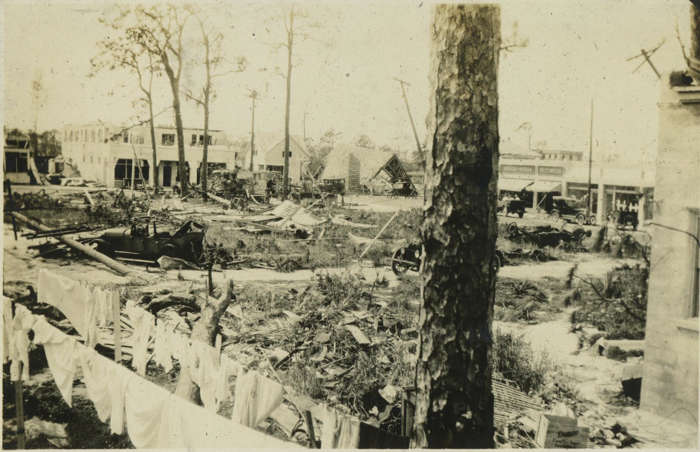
548	236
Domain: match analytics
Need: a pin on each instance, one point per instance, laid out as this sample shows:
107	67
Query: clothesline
256	396
153	417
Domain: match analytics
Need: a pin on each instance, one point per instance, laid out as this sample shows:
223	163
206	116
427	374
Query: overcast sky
344	74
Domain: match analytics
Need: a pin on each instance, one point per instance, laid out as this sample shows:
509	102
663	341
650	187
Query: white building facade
565	173
108	154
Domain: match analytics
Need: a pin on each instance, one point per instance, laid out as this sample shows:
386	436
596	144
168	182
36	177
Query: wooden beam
109	262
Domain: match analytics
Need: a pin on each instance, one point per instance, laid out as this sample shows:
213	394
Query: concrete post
601	211
641	208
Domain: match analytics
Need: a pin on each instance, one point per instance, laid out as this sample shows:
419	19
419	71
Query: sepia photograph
350	224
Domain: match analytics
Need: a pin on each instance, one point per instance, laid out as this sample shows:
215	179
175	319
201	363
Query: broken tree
205	331
455	404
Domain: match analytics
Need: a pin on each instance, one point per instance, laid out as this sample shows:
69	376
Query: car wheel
580	219
398	264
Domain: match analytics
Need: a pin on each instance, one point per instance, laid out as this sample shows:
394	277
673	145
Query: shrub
514	357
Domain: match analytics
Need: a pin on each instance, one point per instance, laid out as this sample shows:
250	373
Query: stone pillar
641	208
534	199
601	212
564	189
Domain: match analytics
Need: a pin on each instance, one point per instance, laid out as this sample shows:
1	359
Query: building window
290	154
167	139
194	139
15	162
125	134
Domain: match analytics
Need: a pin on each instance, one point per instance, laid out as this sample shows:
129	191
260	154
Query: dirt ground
595	378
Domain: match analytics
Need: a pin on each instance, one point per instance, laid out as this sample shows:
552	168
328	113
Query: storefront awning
512	184
542	186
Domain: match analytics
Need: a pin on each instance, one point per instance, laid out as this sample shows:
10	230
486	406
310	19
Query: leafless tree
120	50
159	29
211	42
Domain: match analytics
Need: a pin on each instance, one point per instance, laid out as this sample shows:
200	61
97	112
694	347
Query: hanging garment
61	351
118	377
255	398
22	323
7	342
339	431
103	299
205	371
163	348
143	324
144	406
96	376
211	431
73	299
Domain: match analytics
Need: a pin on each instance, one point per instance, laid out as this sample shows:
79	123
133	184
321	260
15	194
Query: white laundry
205	371
73	299
143	323
96	376
163	348
103	299
212	431
61	351
117	379
339	431
255	398
22	322
144	406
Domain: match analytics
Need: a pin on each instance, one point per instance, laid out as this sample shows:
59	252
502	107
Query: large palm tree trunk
455	404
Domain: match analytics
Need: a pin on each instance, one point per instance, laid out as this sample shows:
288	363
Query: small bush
514	357
617	305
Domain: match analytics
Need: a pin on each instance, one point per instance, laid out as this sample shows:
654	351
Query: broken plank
359	336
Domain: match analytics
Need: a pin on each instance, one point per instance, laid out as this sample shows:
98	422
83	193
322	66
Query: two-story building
565	173
108	153
269	154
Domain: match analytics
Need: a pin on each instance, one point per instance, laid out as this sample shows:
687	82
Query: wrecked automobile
137	244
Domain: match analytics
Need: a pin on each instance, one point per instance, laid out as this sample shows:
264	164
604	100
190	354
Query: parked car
511	205
136	243
570	209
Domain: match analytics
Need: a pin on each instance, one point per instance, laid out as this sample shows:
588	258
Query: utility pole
305	114
253	95
403	84
290	45
647	58
590	162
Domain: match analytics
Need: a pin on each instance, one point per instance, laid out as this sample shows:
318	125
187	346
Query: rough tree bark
205	331
453	376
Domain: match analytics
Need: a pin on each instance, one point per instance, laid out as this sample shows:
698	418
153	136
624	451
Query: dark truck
511	205
138	245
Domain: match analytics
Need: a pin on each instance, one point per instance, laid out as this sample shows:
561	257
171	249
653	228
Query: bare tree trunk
181	169
205	331
153	144
290	44
205	151
455	405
